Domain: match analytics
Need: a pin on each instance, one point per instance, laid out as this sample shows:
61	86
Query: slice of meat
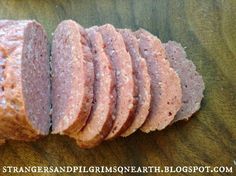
125	87
191	82
143	81
24	80
165	84
89	81
100	120
72	79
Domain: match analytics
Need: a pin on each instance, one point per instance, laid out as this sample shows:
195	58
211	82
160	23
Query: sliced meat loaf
24	80
100	119
125	87
143	81
72	79
191	82
165	84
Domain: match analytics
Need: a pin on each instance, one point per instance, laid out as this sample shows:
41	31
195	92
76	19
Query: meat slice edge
166	91
73	130
100	119
143	81
125	86
36	77
71	95
191	81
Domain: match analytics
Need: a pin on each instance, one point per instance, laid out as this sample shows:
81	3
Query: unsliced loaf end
25	92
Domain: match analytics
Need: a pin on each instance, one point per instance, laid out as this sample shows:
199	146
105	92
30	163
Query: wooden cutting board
208	31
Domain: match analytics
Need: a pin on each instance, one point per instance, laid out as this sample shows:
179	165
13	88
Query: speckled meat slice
143	81
165	84
72	79
24	81
125	86
100	120
89	82
191	82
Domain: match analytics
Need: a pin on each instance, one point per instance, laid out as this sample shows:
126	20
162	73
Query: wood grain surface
208	31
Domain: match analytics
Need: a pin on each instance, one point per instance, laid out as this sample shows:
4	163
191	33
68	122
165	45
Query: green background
207	28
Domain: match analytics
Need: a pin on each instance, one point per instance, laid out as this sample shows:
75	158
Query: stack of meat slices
109	82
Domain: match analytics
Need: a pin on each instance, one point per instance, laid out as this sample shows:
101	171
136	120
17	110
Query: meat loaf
165	84
191	82
72	79
24	80
100	119
125	86
143	81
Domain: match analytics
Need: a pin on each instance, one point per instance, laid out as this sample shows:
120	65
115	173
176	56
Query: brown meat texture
72	79
100	120
125	86
19	119
143	81
166	91
191	82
